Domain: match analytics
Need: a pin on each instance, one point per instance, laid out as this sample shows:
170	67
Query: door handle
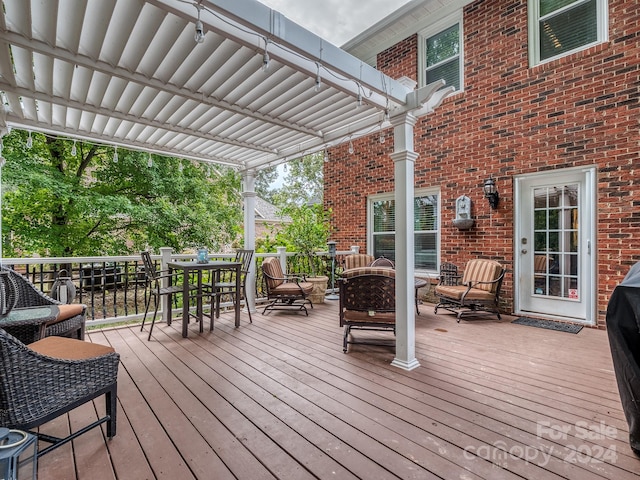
524	250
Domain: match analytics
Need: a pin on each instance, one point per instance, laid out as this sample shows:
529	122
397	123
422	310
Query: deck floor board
278	399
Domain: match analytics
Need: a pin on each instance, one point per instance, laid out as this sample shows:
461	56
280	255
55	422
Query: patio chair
479	291
285	291
356	260
51	377
367	302
70	321
225	285
155	279
383	262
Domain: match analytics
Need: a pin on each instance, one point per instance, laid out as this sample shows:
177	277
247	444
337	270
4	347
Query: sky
337	21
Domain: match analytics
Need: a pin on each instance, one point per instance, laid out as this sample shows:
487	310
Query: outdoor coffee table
28	324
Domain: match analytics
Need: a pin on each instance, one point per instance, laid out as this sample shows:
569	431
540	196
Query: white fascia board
270	24
440	10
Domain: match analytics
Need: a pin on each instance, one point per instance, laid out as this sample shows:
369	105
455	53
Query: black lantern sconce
491	192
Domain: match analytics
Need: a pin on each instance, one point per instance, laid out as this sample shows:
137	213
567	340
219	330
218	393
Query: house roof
407	20
130	73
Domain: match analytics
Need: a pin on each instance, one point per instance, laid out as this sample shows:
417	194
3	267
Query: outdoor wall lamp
491	192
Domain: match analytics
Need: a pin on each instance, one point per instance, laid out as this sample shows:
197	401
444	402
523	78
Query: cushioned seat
367	302
356	260
285	291
70	321
479	291
51	377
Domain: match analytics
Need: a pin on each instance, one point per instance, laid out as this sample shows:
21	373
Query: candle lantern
63	290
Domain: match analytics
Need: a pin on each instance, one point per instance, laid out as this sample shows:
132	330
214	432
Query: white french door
554	245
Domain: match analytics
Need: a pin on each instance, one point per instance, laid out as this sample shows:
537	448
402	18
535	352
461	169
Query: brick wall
580	110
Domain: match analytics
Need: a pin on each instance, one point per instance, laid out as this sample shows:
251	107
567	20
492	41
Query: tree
60	204
303	183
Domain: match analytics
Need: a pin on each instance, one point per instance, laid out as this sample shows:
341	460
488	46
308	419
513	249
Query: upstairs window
561	27
441	54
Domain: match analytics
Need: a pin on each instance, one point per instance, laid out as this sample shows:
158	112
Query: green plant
307	232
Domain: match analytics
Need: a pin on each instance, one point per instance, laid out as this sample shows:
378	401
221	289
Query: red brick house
546	104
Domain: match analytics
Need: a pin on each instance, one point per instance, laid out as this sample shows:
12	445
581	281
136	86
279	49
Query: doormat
548	324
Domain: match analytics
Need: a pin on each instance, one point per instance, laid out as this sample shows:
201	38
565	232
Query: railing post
165	253
282	253
355	249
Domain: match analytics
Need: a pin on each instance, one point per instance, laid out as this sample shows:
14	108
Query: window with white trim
441	53
561	27
382	235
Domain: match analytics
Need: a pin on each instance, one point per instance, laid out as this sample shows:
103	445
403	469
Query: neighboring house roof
406	21
267	212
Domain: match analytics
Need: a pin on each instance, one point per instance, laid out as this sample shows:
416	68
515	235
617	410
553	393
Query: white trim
533	14
434	29
590	205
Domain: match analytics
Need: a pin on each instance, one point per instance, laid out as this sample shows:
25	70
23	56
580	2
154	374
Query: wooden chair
51	377
356	260
285	291
155	279
479	291
70	321
226	284
367	302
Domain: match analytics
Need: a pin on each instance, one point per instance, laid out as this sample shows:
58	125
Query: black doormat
548	324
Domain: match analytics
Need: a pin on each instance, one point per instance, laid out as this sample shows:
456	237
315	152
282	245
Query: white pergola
257	91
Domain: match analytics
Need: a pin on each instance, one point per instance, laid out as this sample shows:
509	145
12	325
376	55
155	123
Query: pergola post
249	199
404	159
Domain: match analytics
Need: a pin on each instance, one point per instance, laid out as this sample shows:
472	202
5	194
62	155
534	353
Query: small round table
419	283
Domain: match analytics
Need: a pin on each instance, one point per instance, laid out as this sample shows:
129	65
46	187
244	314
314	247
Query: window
561	27
382	213
441	54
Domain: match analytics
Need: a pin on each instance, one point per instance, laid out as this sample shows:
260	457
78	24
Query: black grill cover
623	328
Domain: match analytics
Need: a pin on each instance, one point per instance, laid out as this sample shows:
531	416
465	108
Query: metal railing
115	288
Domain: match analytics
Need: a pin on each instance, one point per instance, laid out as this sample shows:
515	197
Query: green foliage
58	204
303	183
307	232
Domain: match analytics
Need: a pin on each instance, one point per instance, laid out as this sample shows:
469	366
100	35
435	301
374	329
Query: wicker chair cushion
271	266
69	311
357	260
291	288
354	272
456	291
479	270
69	348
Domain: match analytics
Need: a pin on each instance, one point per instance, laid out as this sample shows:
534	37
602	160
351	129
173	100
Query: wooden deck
279	399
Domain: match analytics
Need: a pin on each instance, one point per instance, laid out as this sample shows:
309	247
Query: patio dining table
215	266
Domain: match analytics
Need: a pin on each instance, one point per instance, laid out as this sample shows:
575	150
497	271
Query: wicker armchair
51	377
367	302
70	321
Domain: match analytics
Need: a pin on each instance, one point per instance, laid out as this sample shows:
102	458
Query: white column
249	199
404	157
